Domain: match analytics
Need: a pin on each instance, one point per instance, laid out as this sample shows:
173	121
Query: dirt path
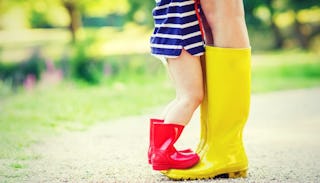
282	139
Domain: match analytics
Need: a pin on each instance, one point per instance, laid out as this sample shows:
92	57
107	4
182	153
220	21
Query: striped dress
176	27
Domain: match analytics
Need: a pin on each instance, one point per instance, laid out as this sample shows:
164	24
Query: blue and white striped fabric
176	28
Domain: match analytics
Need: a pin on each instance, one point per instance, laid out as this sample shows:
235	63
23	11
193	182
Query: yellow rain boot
228	89
203	112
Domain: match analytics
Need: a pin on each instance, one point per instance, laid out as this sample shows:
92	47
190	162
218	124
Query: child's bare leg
167	109
186	72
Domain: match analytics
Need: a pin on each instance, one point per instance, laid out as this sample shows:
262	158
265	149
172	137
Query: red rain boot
151	137
164	155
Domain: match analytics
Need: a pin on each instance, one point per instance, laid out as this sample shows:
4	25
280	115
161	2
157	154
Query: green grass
28	118
25	118
286	77
285	70
130	39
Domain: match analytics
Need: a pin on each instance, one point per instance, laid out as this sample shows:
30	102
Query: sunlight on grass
106	41
278	58
285	70
286	77
132	41
16	45
26	117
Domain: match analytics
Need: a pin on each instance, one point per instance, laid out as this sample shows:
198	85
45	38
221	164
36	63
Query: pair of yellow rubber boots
224	112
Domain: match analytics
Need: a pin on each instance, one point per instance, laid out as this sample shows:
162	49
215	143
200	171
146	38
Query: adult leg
227	23
228	90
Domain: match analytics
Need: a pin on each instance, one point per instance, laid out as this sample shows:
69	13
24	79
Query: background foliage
273	24
68	64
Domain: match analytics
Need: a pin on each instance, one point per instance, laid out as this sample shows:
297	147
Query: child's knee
193	99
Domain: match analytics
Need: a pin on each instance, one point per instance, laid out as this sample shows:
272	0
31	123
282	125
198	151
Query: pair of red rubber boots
162	154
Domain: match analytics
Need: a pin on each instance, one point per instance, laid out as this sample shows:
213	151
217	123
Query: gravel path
282	140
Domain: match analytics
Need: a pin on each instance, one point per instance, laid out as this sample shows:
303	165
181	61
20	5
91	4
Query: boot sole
160	167
181	151
164	167
236	174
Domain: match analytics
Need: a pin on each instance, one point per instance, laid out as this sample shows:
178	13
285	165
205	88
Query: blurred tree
275	7
77	8
39	16
268	10
46	14
304	32
134	10
265	12
5	6
250	8
34	13
75	17
260	14
140	12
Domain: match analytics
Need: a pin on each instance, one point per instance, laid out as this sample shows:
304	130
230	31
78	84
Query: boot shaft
228	89
165	135
151	129
228	92
164	155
